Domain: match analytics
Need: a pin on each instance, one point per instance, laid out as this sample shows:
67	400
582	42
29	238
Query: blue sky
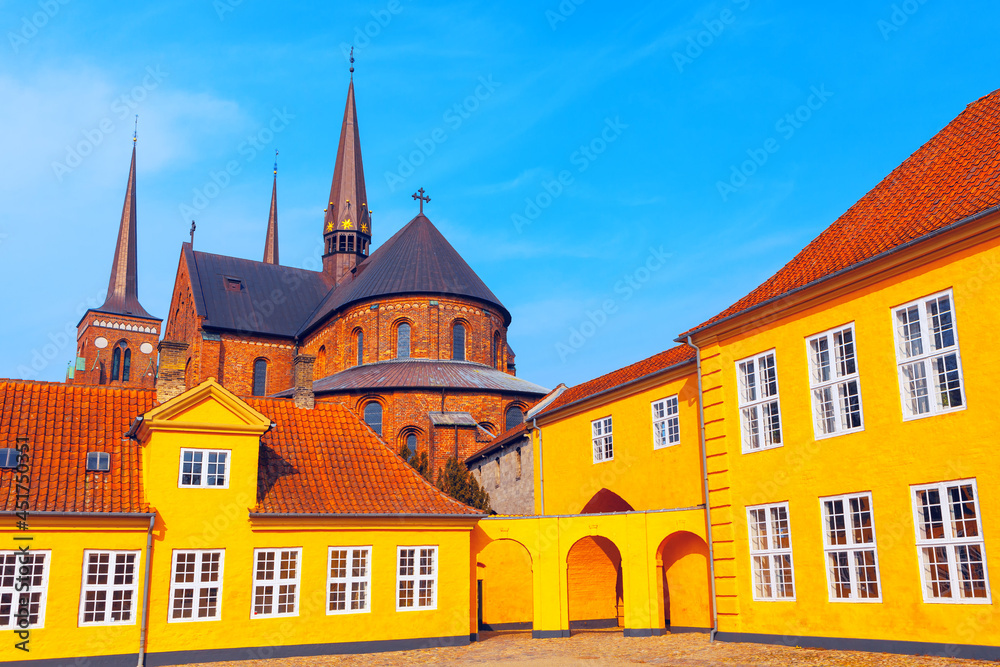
590	172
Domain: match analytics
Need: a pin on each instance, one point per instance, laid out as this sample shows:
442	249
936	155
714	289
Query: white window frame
110	588
752	403
666	422
351	580
277	581
602	438
851	545
772	549
837	383
204	463
198	585
922	360
10	581
949	541
412	575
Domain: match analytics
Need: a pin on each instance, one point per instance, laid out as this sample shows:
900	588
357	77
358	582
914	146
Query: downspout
145	592
541	467
708	509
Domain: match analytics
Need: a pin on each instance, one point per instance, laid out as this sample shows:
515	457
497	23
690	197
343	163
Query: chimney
170	379
302	372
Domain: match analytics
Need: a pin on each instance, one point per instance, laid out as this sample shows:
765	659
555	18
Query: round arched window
260	377
373	417
403	341
458	342
514	417
411	444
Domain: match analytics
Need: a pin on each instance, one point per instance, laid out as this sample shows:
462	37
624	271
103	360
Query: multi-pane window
24	582
373	417
930	368
849	542
514	417
110	587
416	579
205	468
950	542
771	552
601	434
833	379
349	580
259	377
196	585
458	342
760	412
666	423
276	582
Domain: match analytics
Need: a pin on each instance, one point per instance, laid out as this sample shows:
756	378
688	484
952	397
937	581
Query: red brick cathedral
408	337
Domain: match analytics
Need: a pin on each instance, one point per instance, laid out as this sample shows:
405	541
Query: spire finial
193	227
135	132
422	199
275	161
352	62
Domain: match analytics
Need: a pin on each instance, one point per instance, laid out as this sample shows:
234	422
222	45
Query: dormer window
98	461
8	458
233	284
204	468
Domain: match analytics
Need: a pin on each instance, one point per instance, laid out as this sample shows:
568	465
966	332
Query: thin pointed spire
348	203
123	288
271	242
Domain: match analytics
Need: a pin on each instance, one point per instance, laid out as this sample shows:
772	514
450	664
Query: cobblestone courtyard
610	648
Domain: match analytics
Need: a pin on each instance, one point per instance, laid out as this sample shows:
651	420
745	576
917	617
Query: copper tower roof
123	290
271	242
348	200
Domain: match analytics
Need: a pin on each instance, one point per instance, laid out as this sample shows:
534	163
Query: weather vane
352	61
275	161
193	227
135	132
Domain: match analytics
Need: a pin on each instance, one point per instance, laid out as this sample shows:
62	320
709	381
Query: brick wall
594	581
134	332
509	483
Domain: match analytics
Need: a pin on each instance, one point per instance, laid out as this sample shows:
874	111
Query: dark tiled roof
953	176
63	423
501	440
424	373
675	356
416	260
272	299
327	461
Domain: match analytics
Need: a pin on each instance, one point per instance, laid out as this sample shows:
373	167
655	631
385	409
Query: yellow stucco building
824	446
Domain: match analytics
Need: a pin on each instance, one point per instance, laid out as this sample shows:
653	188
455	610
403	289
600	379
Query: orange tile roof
953	176
327	461
680	354
324	460
63	423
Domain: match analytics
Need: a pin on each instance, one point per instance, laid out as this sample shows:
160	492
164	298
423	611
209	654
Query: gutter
145	592
891	251
541	466
708	507
94	515
356	515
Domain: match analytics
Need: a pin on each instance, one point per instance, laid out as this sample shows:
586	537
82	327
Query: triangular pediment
207	407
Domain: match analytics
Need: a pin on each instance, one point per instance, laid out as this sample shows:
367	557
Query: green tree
420	462
455	480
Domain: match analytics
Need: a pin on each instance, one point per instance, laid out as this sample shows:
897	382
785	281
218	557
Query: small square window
98	462
233	284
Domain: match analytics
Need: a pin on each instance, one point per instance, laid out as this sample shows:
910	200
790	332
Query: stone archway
595	590
683	580
504	575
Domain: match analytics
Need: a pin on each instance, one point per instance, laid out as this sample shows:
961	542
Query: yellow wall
885	459
67	539
504	567
644	477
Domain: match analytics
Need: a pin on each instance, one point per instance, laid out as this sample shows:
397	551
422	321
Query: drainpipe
541	468
145	592
708	509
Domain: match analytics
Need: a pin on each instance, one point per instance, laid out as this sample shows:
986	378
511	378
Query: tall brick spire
123	289
271	242
347	222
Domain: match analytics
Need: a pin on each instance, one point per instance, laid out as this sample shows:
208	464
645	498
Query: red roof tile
953	176
327	461
63	423
324	460
680	354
